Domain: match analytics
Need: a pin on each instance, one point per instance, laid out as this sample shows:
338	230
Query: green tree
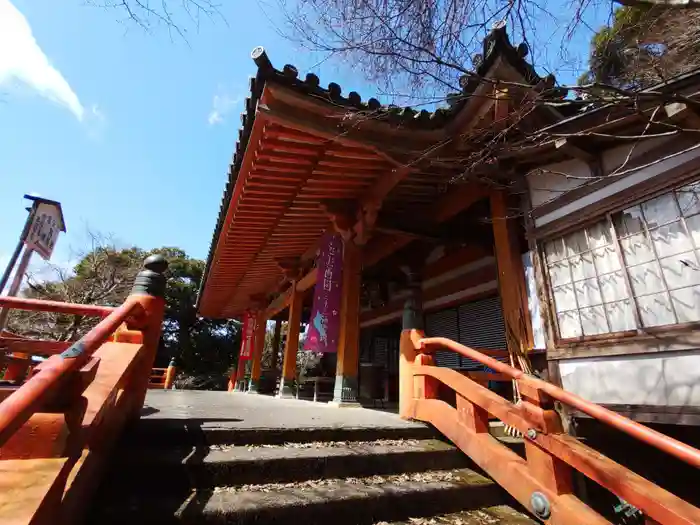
104	275
644	45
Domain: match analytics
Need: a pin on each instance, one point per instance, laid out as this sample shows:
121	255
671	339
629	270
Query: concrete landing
234	410
192	417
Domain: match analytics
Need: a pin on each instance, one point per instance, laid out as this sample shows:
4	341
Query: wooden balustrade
57	428
542	481
162	378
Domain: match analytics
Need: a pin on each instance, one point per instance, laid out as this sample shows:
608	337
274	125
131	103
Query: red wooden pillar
345	391
412	331
289	366
255	370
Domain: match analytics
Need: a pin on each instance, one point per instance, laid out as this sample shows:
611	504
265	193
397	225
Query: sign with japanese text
44	229
248	336
324	326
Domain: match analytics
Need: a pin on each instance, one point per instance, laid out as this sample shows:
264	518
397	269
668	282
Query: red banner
248	336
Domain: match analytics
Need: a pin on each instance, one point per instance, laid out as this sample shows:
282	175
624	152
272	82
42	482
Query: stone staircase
354	476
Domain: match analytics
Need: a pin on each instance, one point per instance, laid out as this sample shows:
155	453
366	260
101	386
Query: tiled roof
495	45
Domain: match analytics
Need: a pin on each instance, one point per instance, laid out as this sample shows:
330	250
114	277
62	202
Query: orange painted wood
42	436
37	305
260	329
645	434
289	365
21	405
29	490
35	346
551	454
425	387
170	377
511	275
120	364
507	468
349	337
491	402
472	416
659	504
17	367
408	345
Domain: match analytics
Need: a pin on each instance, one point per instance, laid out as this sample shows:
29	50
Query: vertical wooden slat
349	337
289	365
260	326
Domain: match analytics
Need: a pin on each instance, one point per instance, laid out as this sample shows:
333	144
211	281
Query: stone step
348	501
499	514
203	467
156	432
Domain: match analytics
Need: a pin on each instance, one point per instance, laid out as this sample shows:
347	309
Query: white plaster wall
659	380
620	185
551	181
616	157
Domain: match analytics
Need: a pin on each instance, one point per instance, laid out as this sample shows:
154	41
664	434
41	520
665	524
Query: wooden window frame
614	343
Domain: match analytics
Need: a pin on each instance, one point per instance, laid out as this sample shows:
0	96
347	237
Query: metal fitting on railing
540	505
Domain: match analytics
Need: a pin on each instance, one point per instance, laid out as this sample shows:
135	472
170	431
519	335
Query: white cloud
21	59
222	104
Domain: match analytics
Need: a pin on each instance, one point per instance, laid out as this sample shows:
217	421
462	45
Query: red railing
643	433
37	305
162	378
23	403
542	481
74	404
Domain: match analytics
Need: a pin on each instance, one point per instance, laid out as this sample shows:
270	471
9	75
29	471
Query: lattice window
637	268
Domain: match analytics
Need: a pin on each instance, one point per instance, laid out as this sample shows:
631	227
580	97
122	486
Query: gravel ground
488	516
330	444
425	477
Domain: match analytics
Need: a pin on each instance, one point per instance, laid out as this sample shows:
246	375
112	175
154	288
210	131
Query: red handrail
19	303
645	434
21	404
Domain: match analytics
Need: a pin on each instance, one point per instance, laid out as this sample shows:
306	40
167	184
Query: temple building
483	206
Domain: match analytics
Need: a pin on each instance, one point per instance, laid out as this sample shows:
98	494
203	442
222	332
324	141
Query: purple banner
324	325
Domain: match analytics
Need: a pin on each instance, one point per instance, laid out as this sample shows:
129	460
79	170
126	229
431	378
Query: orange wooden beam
34	346
458	199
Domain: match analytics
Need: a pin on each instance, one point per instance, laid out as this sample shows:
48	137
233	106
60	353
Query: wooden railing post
170	375
412	331
553	473
18	367
425	387
149	288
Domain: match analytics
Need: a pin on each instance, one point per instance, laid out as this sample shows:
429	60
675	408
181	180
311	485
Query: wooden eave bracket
579	148
258	301
342	214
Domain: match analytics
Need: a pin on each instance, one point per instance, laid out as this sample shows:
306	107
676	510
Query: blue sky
131	131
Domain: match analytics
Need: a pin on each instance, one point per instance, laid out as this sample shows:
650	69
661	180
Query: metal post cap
156	263
151	280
